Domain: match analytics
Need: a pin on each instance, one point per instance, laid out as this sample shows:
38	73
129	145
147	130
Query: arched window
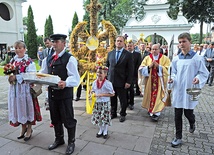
4	12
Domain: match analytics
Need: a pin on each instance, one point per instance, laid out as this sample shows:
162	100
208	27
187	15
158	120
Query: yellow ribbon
81	80
90	106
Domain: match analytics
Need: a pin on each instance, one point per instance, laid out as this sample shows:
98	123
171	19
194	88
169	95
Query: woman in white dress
23	109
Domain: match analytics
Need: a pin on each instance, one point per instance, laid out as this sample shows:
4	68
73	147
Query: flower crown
102	67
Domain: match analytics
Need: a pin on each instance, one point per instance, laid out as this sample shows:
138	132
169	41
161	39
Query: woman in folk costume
102	90
23	108
154	69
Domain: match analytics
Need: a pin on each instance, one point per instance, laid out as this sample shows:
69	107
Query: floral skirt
37	114
101	114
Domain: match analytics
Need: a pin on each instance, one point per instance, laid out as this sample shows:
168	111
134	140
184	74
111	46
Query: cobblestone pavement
138	135
199	143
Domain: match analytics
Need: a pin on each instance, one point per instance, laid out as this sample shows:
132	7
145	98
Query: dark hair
47	39
121	37
185	35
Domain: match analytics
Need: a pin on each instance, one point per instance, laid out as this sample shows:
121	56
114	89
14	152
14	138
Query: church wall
10	30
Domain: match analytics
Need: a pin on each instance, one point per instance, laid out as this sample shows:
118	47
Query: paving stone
138	135
97	149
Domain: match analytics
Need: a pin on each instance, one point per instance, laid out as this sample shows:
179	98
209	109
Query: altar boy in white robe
188	70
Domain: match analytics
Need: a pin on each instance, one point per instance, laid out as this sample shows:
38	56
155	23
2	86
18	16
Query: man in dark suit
48	50
209	61
49	47
121	71
143	51
137	62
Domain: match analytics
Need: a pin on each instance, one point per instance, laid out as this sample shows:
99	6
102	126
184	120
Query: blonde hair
19	43
40	48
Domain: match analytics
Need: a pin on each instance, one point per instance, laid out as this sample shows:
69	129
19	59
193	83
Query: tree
40	41
118	12
201	11
74	21
195	11
31	39
86	16
48	27
24	20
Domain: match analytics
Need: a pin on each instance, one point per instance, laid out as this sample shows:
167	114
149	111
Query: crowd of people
129	71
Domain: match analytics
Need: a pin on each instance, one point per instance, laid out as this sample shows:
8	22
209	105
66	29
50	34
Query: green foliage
173	9
199	10
40	41
195	38
24	20
86	16
74	21
48	27
117	11
31	39
195	11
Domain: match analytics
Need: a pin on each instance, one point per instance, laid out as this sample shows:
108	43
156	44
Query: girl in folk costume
102	89
23	108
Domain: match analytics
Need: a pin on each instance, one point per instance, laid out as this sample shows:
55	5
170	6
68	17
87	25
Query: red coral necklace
100	83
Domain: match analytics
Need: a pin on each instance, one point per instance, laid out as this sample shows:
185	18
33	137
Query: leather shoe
155	118
192	128
99	135
137	94
77	99
210	84
23	135
176	142
28	138
122	118
105	136
70	149
113	116
56	144
131	107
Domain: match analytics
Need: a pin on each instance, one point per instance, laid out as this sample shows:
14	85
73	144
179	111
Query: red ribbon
54	57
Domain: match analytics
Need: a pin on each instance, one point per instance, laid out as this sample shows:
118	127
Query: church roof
156	15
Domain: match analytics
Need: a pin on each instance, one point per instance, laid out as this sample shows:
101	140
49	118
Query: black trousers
62	112
79	89
208	68
211	75
122	94
178	120
137	88
130	95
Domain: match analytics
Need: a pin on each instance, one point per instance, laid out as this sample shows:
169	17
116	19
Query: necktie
200	52
118	56
54	58
48	51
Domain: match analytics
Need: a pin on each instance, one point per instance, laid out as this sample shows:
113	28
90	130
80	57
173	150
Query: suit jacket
137	63
143	55
45	52
121	72
209	54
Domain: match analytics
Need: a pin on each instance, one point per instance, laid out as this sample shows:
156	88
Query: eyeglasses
155	49
182	42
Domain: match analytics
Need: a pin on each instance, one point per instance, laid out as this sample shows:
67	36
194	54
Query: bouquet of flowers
9	69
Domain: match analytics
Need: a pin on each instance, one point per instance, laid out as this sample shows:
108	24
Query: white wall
10	30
